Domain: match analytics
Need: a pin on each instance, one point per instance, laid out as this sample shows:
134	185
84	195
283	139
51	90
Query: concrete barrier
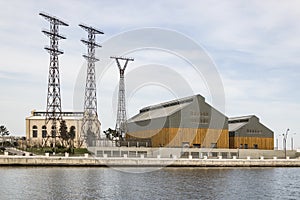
138	162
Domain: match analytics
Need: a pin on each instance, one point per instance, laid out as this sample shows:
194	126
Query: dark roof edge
171	103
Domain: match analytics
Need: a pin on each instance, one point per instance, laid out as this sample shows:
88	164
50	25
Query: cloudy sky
254	47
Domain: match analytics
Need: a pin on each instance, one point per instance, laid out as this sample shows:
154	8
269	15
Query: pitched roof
163	109
157	112
236	126
241	117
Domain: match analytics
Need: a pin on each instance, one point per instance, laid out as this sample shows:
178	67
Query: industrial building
186	122
248	133
39	134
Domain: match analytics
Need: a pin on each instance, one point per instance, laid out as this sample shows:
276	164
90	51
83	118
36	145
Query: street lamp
284	140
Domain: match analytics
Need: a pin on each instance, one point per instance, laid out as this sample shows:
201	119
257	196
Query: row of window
253	131
245	146
201	121
194	113
44	131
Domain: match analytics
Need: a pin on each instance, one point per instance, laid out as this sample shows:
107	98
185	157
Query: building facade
39	134
186	122
248	133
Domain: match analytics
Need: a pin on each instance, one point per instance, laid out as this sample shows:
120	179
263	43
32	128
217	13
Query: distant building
186	122
39	134
248	133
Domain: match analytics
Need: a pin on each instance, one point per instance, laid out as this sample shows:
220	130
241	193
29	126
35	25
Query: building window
34	131
255	146
53	131
44	131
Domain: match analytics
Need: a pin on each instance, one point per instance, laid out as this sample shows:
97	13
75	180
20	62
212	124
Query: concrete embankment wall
143	162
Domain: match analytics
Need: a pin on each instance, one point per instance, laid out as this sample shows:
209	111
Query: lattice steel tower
90	130
53	111
121	124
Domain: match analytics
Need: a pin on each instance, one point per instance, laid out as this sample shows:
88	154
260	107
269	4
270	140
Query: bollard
190	157
234	157
6	153
47	154
174	157
125	155
204	157
158	156
86	155
248	157
142	156
287	157
261	157
27	154
53	153
274	158
220	157
66	154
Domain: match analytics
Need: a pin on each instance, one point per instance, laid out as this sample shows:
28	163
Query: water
167	183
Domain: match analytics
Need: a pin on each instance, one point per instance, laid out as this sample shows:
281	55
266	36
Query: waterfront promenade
6	160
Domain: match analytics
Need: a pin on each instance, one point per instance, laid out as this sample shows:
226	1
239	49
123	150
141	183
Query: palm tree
3	132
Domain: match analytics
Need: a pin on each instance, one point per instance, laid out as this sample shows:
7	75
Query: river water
166	183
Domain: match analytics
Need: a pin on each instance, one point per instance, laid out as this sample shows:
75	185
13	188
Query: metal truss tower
90	130
121	124
53	111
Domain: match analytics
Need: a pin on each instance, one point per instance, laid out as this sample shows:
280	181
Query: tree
63	131
111	132
3	132
72	135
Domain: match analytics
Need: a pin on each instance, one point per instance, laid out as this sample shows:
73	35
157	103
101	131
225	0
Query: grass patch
58	151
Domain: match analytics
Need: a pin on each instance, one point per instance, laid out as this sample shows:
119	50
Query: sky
252	47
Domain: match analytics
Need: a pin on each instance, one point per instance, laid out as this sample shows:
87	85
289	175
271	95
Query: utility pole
121	123
90	129
53	111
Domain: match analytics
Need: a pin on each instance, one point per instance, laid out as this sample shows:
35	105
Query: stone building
39	134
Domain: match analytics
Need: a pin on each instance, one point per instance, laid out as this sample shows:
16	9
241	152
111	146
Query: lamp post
285	135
